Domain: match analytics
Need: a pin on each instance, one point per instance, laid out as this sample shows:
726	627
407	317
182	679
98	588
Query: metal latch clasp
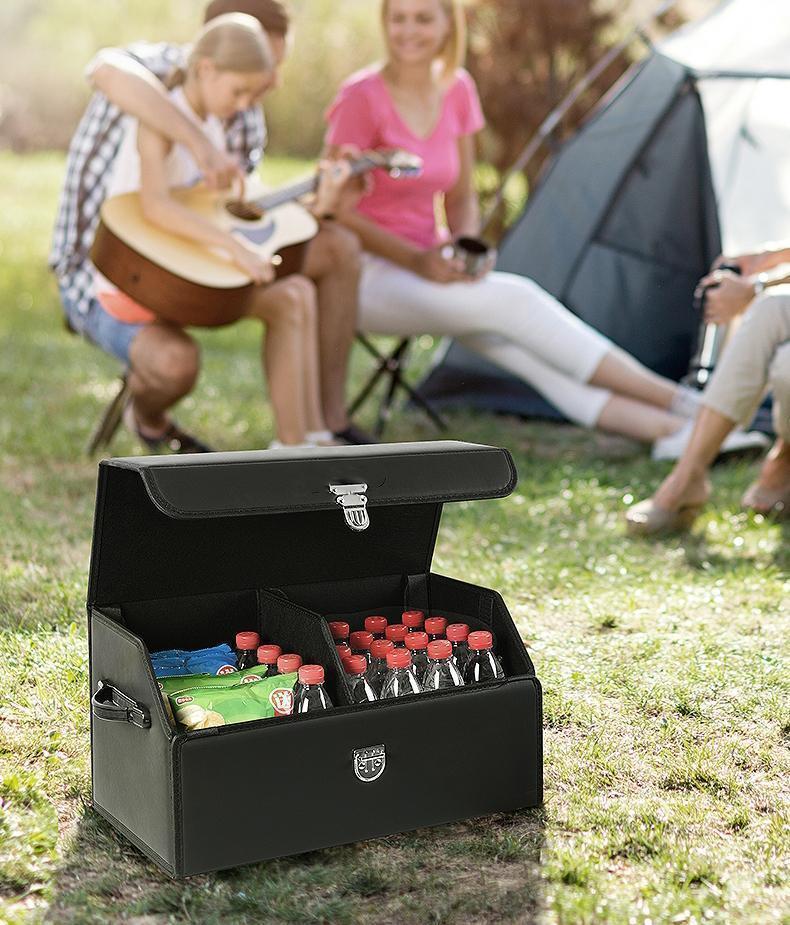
354	502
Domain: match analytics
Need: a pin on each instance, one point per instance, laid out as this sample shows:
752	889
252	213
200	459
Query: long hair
233	42
453	52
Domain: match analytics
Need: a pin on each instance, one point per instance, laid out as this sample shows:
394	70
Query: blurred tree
525	57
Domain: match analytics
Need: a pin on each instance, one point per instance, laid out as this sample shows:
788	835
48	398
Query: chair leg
110	420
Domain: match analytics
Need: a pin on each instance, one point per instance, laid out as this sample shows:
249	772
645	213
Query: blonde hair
233	42
453	53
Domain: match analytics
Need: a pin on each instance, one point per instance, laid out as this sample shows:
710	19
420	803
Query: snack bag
173	683
202	707
216	660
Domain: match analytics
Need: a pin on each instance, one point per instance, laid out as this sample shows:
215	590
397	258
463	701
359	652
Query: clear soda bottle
400	679
246	649
288	663
442	672
377	671
396	633
268	655
413	620
343	650
339	630
360	643
311	695
417	644
376	625
435	627
458	633
361	691
482	665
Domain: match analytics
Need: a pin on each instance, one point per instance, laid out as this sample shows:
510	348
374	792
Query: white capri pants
506	318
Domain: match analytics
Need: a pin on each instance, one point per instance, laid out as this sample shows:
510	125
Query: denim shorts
100	328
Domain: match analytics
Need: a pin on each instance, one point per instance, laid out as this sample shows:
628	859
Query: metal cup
473	252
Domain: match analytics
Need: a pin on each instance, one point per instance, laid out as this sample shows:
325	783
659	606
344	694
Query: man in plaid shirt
129	81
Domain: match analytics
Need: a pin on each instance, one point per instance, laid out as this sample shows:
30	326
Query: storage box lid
178	525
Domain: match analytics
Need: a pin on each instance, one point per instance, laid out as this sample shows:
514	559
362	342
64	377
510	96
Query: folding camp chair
107	426
391	367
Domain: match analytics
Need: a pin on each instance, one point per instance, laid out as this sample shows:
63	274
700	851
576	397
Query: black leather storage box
188	550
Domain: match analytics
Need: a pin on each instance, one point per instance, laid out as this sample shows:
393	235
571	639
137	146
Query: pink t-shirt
363	114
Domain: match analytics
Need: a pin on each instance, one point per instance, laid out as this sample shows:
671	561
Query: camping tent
687	156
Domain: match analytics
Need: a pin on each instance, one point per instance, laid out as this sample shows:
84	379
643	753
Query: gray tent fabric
620	229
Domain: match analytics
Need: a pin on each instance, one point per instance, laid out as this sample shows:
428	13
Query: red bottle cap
248	640
380	647
288	663
416	640
435	625
440	648
339	629
311	674
360	640
398	658
343	649
375	624
457	632
397	632
268	655
481	639
412	618
355	664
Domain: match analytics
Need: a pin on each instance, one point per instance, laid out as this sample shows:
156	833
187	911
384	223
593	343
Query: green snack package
205	706
174	683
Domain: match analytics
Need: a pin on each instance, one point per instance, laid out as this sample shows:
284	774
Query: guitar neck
303	187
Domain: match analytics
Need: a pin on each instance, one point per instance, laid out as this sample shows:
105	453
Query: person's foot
170	438
351	435
738	442
770	493
673	508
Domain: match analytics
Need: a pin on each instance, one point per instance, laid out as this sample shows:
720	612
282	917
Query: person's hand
748	264
727	296
333	176
249	262
219	169
440	266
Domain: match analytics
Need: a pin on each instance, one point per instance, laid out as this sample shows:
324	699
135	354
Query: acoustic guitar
189	283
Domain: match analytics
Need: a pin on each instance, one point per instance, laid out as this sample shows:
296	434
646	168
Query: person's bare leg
687	484
619	372
772	486
314	417
637	420
332	262
164	365
281	307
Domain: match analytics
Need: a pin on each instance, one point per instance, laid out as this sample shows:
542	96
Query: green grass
664	666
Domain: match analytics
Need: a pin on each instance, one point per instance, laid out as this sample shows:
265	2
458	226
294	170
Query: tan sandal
648	519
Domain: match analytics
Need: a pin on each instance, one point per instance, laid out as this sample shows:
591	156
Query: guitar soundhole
246	211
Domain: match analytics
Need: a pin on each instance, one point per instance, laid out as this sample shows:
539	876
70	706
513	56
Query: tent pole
559	112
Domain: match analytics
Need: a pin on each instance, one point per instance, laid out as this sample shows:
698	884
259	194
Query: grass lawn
664	666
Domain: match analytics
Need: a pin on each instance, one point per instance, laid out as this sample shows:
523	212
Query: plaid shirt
90	158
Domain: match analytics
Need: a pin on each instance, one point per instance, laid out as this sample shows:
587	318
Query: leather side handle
110	704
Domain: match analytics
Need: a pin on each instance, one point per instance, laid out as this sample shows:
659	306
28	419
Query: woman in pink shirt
421	100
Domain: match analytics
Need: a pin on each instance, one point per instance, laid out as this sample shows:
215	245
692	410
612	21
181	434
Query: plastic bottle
458	633
377	671
361	691
339	630
413	620
483	665
360	643
396	633
417	644
311	695
246	646
268	655
400	679
435	627
442	672
288	663
376	625
343	650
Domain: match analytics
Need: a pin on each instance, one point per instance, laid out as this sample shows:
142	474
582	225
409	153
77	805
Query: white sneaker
738	441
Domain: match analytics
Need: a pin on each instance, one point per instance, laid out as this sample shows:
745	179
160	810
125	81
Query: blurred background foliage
525	55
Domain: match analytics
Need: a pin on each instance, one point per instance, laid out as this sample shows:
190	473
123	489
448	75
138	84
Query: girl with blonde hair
228	70
422	100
